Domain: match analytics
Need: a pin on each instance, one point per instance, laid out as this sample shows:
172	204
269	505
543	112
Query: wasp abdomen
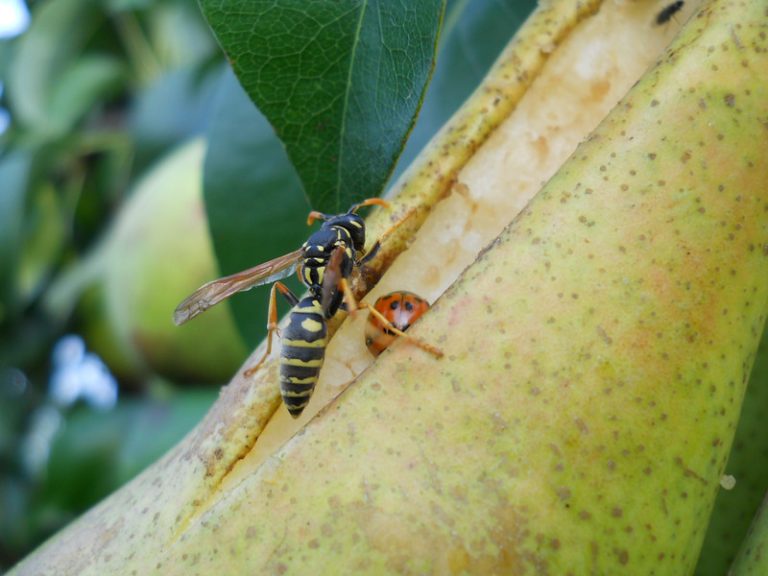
302	355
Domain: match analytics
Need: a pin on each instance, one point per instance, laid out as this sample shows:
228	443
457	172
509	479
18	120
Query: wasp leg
334	282
349	298
377	245
391	328
272	321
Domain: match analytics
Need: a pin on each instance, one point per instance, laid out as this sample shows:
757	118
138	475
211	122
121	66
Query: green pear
596	352
752	559
748	464
101	336
159	250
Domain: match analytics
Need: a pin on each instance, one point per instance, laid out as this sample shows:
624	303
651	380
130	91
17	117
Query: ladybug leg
391	328
377	245
272	322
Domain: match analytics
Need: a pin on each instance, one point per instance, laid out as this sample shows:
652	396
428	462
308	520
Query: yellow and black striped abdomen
303	350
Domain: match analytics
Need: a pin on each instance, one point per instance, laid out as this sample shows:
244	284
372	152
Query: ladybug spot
409	306
394	305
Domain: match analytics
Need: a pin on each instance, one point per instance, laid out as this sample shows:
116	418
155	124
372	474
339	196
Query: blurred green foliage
99	91
89	455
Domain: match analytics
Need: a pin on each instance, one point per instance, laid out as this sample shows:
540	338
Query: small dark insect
390	317
666	13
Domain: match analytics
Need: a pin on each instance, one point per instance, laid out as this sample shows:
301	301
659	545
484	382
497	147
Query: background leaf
14	174
341	82
256	209
173	108
81	85
44	52
92	454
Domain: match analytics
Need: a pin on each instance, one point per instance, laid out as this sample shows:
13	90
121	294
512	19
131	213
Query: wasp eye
394	305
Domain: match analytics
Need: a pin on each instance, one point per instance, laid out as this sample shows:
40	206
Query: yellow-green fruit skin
748	463
595	362
158	252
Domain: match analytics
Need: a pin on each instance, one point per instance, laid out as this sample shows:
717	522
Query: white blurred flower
78	374
14	18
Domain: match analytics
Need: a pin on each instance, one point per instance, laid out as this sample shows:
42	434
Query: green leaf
256	209
473	36
14	174
341	82
96	452
158	425
85	82
58	31
43	239
128	5
6	50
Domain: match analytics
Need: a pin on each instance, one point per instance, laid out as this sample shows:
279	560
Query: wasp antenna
369	202
315	215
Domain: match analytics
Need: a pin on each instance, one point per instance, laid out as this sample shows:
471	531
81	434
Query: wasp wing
331	277
217	290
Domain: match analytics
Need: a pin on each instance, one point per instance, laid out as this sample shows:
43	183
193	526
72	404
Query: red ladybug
391	315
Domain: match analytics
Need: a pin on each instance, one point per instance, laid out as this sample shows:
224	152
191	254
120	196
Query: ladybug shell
401	309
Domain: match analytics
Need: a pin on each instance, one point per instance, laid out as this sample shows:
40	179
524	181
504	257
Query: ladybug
390	317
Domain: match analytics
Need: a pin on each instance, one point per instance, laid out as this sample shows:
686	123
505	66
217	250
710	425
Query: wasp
391	315
665	15
324	264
